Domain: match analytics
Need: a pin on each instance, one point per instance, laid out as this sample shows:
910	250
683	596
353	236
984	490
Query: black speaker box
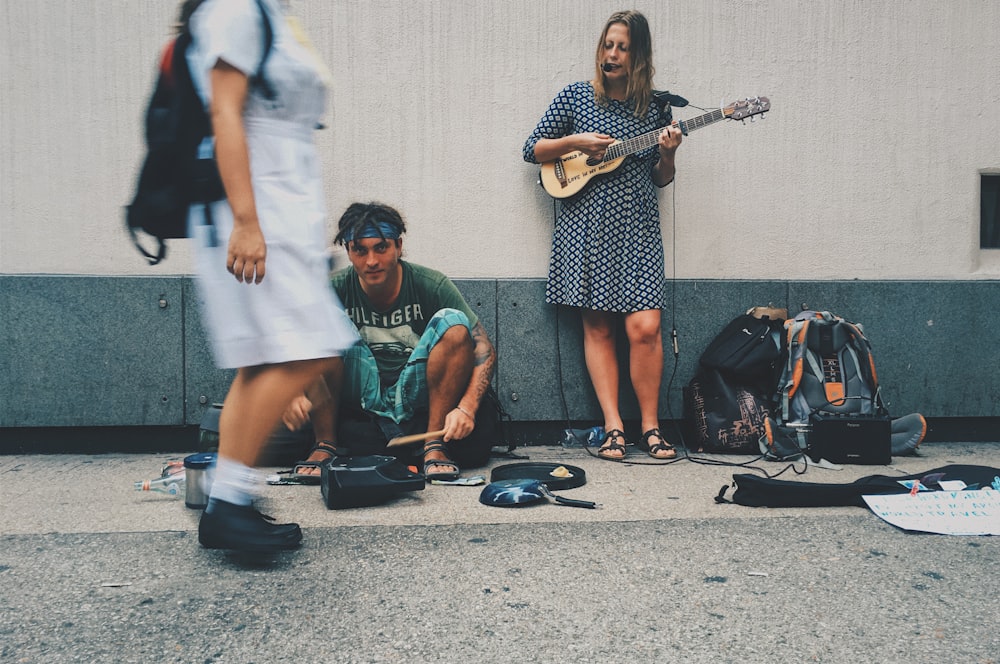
850	439
365	480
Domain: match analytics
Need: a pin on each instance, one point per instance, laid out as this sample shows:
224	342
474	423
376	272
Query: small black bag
746	347
729	398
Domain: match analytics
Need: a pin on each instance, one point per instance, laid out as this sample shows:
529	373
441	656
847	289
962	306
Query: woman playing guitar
607	251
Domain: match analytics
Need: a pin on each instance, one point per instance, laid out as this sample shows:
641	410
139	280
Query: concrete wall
130	351
883	115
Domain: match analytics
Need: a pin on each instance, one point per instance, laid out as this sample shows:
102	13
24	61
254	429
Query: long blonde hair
640	76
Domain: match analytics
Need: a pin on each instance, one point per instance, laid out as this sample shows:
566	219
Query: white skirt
293	314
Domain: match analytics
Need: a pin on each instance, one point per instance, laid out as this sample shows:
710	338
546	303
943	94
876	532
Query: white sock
234	483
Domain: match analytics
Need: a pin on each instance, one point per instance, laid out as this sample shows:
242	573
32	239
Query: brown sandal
662	446
610	444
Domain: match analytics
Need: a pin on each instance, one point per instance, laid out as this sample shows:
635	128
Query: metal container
199	470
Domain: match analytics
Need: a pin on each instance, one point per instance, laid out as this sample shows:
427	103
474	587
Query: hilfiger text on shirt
394	318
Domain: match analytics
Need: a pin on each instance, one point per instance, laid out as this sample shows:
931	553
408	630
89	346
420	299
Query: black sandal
438	446
327	446
662	446
610	444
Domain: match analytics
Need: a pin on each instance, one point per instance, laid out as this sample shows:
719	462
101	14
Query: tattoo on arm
482	348
484	364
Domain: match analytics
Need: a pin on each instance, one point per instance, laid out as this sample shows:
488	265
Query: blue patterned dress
607	249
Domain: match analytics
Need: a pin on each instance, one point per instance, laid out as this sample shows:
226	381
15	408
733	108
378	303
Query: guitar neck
651	138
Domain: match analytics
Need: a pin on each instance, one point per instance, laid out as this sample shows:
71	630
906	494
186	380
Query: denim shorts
362	385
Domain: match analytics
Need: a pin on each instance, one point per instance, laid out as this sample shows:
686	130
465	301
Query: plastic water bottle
577	437
173	485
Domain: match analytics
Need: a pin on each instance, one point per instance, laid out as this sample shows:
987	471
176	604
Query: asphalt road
91	571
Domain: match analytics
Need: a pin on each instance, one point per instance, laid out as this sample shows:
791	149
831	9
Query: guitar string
636	143
649	139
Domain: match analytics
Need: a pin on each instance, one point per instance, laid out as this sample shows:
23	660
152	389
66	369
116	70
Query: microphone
606	67
667	98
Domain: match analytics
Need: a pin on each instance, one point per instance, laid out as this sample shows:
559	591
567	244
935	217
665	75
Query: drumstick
414	438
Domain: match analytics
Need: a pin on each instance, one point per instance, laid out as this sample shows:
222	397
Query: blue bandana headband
381	229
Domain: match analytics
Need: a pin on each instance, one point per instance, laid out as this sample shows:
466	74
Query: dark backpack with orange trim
829	377
829	369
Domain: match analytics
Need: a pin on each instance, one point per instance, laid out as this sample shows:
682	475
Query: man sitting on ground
424	353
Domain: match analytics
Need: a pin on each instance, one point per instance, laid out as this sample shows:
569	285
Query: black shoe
242	528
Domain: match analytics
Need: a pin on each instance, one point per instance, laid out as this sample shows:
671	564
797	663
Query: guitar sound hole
593	161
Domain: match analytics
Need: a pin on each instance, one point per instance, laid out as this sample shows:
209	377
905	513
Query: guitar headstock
745	108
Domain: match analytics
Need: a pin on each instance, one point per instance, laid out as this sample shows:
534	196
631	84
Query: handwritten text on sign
942	512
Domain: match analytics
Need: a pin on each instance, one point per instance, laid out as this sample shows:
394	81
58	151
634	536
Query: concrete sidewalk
91	570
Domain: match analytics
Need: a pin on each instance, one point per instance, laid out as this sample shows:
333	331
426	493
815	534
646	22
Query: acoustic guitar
570	173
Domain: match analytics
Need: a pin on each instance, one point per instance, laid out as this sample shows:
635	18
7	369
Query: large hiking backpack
829	380
829	369
828	401
179	169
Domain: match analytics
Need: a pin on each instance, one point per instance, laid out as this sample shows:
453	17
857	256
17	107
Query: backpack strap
866	366
814	365
259	79
153	259
795	330
861	341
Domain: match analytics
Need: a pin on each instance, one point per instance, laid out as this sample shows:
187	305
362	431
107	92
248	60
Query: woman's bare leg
602	366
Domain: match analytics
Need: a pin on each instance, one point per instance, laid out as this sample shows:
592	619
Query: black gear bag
757	491
179	169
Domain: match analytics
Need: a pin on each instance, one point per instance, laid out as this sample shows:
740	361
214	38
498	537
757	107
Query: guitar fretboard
649	139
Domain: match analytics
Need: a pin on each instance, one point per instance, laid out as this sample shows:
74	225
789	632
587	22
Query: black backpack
729	398
179	169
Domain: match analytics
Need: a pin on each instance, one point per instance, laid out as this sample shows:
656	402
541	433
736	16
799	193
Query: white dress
293	314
